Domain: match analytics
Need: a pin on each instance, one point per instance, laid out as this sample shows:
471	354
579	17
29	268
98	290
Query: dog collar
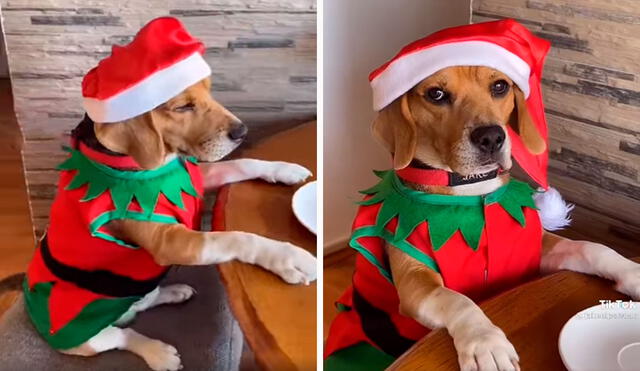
118	162
439	177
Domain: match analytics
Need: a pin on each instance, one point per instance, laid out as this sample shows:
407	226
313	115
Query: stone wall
591	87
262	53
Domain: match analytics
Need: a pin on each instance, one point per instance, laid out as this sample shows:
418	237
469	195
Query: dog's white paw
485	348
628	282
176	293
160	356
287	173
292	263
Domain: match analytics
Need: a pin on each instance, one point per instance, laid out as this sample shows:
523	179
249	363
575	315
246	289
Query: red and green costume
480	245
82	278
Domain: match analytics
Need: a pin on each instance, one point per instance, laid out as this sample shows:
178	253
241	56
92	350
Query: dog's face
456	119
191	123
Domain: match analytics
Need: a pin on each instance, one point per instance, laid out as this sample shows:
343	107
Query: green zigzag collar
445	214
145	185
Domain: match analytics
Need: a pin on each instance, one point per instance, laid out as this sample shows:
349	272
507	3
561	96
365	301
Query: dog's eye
185	108
437	95
499	88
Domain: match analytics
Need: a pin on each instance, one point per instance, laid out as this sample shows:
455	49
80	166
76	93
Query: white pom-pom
553	210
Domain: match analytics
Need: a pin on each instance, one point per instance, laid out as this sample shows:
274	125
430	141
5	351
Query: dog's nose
238	131
488	139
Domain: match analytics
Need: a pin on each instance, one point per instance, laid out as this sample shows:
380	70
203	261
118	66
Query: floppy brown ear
528	131
138	137
395	128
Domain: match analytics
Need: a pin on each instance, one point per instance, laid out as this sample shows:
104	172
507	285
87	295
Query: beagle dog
456	120
193	124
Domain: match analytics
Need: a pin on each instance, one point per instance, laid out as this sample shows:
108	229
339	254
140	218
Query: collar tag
456	179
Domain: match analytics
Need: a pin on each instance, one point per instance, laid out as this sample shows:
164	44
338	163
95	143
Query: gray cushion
202	329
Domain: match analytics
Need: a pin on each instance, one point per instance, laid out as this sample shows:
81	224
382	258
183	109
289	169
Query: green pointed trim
108	216
405	246
445	214
514	197
91	320
342	307
146	185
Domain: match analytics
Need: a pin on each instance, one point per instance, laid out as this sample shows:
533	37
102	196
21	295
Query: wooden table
531	316
277	319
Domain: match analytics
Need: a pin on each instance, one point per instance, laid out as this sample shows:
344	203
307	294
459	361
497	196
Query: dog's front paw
292	263
287	173
484	348
160	356
628	282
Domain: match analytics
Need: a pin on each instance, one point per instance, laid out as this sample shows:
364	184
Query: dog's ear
522	123
395	129
138	137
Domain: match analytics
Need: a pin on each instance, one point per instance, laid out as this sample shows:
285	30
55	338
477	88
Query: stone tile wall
591	89
262	53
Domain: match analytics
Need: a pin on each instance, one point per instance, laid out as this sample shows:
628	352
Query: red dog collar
118	162
438	177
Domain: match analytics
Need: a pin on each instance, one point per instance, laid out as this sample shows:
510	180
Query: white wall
360	35
4	67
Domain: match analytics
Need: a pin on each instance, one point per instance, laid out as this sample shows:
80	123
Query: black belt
99	281
377	325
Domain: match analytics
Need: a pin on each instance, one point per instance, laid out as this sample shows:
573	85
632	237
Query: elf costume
480	245
82	278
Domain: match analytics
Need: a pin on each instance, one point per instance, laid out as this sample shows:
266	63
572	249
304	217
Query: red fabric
158	45
70	242
517	39
219	222
513	258
78	215
534	165
66	295
345	330
509	253
37	272
424	176
120	162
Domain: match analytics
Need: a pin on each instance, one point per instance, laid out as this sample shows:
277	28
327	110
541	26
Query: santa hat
161	61
504	45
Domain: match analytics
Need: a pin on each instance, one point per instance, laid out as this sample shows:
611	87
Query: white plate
592	339
304	205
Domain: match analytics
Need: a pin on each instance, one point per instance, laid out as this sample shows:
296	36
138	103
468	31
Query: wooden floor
16	236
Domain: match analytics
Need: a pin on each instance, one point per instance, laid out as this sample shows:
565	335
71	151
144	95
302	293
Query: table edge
266	349
398	364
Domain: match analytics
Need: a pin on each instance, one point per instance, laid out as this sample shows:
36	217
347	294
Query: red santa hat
504	45
161	61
